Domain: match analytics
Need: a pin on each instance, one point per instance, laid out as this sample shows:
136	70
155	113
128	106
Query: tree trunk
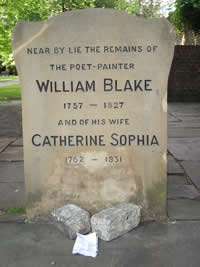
187	35
63	6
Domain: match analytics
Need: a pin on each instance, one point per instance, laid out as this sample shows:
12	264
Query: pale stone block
71	219
114	222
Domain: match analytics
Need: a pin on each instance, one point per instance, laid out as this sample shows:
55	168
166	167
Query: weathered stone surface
114	222
71	219
95	110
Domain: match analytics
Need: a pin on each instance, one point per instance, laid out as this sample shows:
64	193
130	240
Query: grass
11	92
8	78
14	209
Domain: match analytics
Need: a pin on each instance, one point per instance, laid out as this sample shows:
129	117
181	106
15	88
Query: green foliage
59	6
15	209
131	7
29	10
105	3
150	9
10	12
186	15
11	92
35	10
147	9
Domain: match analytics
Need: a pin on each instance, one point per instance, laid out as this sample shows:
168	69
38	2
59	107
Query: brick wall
184	78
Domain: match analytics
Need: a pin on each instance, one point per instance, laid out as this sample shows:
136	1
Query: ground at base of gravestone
174	242
167	244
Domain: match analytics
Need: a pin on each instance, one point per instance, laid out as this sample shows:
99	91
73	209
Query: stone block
114	222
71	219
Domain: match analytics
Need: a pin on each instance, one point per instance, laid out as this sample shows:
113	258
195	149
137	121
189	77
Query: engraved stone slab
94	110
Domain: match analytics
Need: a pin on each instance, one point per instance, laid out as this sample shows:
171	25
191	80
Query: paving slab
174	132
184	209
176	180
12	154
11	171
4	142
172	118
153	245
18	142
10	119
175	191
194	117
184	124
12	194
184	148
12	218
192	168
173	167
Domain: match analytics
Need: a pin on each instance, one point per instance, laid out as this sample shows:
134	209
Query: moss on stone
157	199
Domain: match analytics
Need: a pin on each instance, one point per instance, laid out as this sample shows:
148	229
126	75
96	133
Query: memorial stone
94	95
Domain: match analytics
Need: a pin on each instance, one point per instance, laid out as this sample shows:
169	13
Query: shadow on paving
183	159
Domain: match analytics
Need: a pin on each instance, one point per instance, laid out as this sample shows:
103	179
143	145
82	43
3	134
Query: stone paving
183	159
7	83
150	245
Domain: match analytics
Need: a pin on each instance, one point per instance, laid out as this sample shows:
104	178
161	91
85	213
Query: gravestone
94	95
